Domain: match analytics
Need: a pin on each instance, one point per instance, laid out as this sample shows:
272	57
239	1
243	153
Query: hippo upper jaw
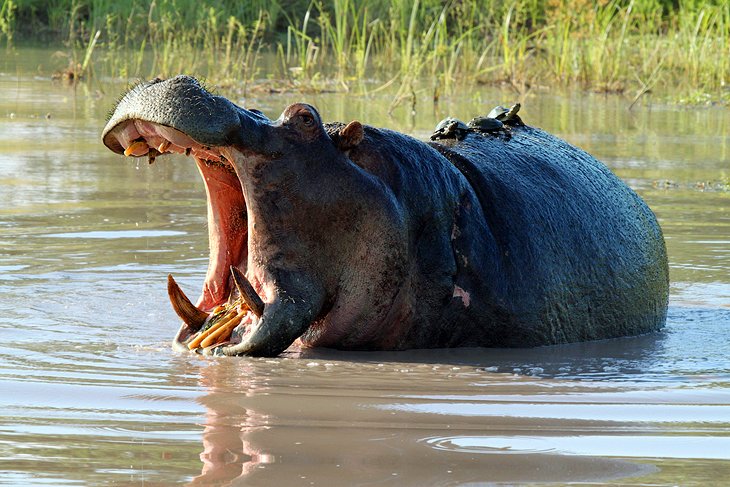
182	103
228	144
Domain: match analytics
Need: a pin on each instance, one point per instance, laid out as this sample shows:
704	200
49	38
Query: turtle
507	115
511	116
498	113
485	124
450	128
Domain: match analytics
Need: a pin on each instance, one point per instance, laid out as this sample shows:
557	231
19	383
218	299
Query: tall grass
7	20
631	46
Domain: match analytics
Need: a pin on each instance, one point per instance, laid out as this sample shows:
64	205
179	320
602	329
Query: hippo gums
493	234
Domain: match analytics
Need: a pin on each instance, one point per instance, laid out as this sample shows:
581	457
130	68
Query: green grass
7	20
619	46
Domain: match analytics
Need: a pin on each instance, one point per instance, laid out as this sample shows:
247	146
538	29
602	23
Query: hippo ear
350	136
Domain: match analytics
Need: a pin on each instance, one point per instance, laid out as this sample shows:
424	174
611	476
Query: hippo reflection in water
355	237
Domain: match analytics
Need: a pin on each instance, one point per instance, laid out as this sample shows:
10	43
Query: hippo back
584	256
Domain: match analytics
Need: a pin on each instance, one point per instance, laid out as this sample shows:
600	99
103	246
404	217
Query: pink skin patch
464	295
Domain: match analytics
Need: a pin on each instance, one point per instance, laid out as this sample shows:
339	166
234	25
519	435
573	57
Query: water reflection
229	421
621	446
588	412
252	439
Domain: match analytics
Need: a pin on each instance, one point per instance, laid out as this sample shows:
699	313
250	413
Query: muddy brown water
91	394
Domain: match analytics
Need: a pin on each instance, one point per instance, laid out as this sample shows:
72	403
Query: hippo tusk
248	293
192	316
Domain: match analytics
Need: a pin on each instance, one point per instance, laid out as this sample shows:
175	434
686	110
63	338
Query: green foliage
630	46
7	20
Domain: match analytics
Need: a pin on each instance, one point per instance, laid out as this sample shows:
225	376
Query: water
90	393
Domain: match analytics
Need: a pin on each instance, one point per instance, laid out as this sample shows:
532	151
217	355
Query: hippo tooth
152	155
248	293
162	148
186	310
136	148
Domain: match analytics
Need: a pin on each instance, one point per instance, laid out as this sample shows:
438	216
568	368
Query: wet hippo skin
357	237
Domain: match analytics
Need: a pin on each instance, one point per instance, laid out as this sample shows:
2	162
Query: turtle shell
485	124
449	128
498	112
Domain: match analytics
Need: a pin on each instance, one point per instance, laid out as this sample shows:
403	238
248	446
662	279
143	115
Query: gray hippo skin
362	238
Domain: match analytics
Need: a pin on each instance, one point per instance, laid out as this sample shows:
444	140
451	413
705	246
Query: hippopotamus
354	237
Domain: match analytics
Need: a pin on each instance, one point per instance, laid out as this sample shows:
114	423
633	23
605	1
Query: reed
623	46
7	21
302	52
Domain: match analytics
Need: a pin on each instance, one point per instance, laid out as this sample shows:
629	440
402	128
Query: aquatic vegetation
7	20
614	46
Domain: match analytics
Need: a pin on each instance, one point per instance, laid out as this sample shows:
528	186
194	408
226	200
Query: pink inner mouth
227	231
227	216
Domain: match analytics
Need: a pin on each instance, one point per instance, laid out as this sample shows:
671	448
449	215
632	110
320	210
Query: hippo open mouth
227	216
229	145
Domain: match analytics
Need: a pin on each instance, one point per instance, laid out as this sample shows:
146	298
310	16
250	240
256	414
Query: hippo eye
307	119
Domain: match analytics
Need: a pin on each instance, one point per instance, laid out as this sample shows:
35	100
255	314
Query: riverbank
679	52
